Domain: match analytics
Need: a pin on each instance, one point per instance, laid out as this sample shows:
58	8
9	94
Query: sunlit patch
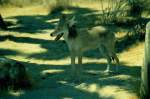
16	93
90	88
116	92
93	87
109	91
63	82
68	11
23	48
52	21
44	72
119	77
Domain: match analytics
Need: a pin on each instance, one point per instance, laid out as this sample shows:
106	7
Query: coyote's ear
72	21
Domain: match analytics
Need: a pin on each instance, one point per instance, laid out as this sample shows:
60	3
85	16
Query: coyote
81	40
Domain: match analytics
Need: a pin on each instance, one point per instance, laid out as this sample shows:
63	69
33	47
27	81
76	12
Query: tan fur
97	37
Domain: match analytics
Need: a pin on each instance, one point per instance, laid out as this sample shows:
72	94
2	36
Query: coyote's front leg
73	68
79	64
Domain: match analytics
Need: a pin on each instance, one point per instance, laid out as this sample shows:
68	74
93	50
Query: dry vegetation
27	40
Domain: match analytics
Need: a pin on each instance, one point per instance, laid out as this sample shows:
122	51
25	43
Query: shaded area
137	34
55	49
3	37
4	52
32	24
50	84
2	23
86	18
133	71
38	23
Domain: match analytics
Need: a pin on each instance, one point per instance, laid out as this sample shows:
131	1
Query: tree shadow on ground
38	23
50	84
85	17
32	24
52	81
57	85
4	52
55	49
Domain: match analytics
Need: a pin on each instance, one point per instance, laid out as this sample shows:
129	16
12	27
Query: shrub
122	8
13	75
114	10
59	5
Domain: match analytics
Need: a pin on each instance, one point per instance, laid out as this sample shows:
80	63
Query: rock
13	74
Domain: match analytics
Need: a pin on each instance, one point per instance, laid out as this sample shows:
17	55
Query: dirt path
48	62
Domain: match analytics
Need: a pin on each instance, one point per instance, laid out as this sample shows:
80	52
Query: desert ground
48	61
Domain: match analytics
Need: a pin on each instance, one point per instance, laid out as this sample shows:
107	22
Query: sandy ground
48	62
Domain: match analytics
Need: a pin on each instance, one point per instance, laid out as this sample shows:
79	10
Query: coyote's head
63	26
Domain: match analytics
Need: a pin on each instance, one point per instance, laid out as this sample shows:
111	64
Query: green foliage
137	7
59	5
116	9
